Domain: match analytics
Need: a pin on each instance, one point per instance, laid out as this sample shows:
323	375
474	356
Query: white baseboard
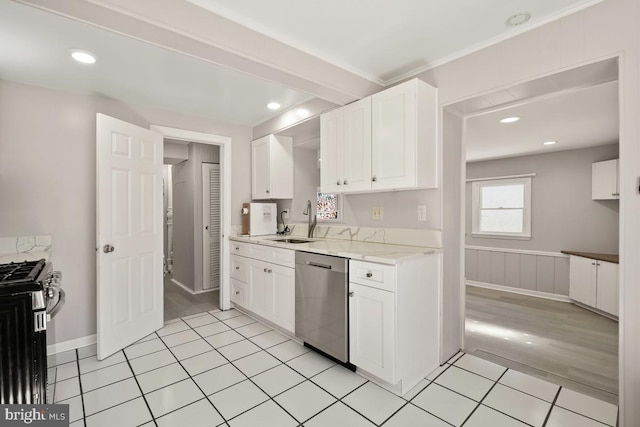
71	344
528	292
191	291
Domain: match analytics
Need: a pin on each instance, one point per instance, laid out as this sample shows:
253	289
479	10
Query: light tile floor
226	369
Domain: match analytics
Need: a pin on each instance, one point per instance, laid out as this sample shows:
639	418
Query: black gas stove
30	294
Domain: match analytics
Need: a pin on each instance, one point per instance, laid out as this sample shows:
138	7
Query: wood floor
558	341
180	303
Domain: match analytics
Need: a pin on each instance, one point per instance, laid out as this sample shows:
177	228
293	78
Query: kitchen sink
291	240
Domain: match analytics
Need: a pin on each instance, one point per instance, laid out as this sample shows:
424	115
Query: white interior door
130	239
211	233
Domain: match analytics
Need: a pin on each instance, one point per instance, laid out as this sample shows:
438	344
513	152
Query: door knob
108	249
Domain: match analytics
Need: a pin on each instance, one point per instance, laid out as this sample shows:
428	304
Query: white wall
564	217
48	181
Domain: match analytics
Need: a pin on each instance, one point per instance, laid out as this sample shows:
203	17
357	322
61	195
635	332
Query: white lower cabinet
372	331
594	283
394	320
260	285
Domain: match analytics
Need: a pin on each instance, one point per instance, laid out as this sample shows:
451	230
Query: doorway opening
196	221
529	198
192	219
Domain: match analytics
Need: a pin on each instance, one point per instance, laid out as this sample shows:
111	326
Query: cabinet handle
593	263
237	292
374	179
369	274
338	183
265	270
237	267
345	182
267	191
351	294
269	271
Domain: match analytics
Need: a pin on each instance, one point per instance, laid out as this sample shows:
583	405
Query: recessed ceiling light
510	119
303	112
273	106
518	19
549	142
82	56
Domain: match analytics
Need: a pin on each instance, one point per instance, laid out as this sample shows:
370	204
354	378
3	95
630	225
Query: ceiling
387	40
577	107
34	51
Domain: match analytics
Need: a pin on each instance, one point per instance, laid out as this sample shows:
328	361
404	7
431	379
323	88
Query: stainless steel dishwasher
322	320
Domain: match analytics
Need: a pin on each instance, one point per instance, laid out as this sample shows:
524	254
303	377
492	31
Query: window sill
499	236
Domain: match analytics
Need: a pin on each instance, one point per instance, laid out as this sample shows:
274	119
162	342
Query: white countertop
382	253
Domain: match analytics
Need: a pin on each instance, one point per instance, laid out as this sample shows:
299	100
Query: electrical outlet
377	212
285	213
422	212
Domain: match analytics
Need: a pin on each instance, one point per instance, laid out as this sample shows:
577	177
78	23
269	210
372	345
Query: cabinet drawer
239	268
238	292
239	248
375	275
284	257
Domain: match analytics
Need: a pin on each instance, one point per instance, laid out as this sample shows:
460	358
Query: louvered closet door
211	219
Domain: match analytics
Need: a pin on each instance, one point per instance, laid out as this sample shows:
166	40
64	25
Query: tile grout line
153	417
553	404
84	413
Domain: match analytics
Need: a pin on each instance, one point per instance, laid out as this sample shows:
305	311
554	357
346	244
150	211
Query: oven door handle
61	300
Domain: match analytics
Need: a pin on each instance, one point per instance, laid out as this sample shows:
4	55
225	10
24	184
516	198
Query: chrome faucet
312	223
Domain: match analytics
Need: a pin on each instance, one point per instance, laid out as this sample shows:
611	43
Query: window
328	206
502	208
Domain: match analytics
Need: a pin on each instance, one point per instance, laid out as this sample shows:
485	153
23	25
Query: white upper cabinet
404	151
272	168
384	142
604	180
345	148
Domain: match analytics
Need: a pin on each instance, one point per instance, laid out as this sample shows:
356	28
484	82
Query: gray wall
563	214
48	172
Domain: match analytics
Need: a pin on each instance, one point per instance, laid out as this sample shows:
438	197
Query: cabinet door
258	287
582	280
238	292
260	177
372	331
331	161
356	147
607	292
604	180
393	138
282	298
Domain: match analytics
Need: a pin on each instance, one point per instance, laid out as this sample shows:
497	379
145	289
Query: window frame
476	187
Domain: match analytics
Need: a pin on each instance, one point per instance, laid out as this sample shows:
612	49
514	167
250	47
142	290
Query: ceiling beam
185	28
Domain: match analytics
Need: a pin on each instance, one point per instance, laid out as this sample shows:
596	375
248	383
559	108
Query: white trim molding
492	178
71	344
191	291
520	291
517	251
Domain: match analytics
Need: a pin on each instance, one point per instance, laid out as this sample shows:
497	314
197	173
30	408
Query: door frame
224	142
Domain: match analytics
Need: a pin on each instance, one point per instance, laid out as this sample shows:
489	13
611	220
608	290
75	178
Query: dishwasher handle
315	264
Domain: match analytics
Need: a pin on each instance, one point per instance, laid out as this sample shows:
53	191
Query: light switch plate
422	212
377	212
